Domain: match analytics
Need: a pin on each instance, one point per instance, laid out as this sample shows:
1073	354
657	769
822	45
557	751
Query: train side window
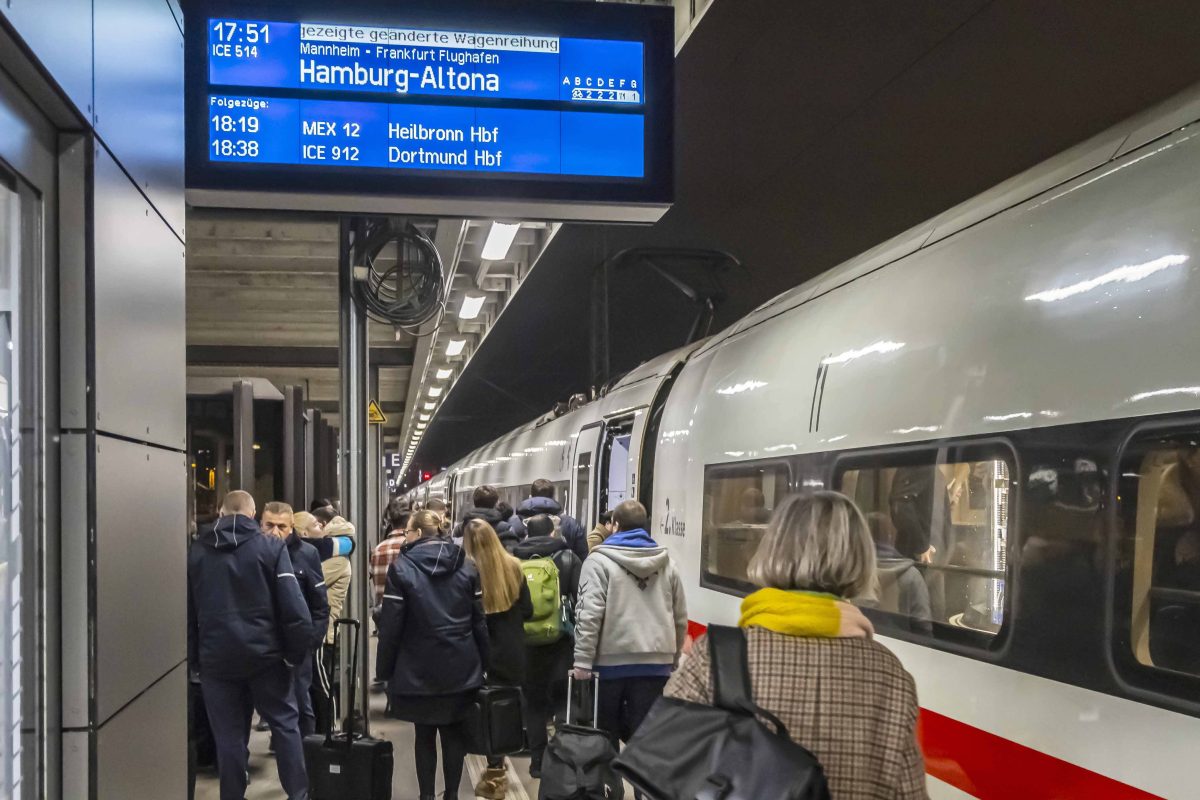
941	530
738	502
1161	551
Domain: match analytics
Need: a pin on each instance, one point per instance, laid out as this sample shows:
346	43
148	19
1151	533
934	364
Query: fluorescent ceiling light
421	426
442	374
454	347
423	417
471	306
435	391
430	406
499	240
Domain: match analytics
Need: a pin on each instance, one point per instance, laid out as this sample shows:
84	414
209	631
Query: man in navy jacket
306	563
541	501
248	626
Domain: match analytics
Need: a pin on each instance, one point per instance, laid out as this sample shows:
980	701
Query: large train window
941	526
1160	553
738	501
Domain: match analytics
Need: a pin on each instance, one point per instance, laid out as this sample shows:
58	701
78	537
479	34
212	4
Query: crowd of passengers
454	612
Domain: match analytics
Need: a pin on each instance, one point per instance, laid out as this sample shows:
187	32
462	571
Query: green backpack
546	624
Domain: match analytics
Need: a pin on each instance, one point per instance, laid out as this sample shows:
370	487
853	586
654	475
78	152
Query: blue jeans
230	704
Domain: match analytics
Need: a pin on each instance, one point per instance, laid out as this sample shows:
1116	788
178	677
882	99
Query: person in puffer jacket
337	573
248	626
541	501
631	621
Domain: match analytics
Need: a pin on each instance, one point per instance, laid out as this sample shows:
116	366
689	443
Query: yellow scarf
792	613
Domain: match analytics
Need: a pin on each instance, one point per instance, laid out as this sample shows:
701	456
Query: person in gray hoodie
631	621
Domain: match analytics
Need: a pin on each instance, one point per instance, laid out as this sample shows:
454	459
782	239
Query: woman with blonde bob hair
507	603
812	660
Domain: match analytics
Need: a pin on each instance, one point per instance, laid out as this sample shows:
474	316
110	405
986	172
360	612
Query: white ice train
1018	381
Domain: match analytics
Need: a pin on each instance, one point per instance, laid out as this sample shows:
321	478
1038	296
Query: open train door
583	475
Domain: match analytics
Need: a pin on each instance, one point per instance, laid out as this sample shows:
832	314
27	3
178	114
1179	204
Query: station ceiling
809	132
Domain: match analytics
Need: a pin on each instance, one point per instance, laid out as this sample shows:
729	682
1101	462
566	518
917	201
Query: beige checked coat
847	700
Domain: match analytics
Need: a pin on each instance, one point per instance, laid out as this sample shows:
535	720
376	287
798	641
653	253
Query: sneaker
262	725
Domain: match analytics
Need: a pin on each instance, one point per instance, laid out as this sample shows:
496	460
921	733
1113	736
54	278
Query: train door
583	475
33	161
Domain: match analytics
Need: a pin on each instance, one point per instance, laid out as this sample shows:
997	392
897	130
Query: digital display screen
519	101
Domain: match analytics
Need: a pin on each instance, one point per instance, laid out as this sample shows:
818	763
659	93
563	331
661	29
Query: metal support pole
353	366
293	446
243	436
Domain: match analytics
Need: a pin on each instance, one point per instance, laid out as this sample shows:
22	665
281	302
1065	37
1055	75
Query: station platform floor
264	781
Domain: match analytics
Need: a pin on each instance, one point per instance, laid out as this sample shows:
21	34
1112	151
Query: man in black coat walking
483	506
306	563
248	626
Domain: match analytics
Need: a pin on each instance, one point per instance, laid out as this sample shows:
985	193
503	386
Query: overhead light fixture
499	240
442	374
455	346
423	417
471	306
430	406
421	426
435	391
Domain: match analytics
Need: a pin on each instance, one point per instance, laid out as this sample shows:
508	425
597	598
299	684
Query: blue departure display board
432	96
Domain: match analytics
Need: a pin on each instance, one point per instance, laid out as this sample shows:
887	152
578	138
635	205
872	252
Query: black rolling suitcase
348	766
495	724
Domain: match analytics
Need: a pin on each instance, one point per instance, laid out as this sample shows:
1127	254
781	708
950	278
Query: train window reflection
941	538
738	502
1165	608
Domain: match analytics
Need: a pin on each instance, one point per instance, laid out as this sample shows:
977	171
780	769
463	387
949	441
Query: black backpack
688	751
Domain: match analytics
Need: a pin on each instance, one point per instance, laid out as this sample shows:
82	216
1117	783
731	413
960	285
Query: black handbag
495	725
688	751
578	761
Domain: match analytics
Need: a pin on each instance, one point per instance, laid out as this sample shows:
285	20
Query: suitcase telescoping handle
354	674
595	697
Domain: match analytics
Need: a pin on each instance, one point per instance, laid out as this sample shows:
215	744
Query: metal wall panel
139	98
141	570
75	567
139	315
142	752
59	32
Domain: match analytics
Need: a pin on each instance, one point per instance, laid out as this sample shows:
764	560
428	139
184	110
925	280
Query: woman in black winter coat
433	646
507	604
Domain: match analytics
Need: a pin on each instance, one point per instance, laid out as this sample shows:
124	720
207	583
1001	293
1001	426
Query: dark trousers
302	678
539	704
230	704
624	703
454	752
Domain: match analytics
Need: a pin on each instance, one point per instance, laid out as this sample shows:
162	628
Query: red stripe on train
994	768
990	766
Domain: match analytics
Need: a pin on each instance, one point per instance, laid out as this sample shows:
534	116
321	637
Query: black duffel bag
688	751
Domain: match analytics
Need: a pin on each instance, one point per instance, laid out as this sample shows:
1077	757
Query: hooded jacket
631	606
337	573
508	538
433	637
246	611
572	532
902	590
306	563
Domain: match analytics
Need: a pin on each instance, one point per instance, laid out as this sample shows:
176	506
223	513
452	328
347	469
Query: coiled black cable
409	293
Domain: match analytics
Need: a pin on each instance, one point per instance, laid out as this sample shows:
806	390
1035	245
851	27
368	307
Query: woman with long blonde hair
507	604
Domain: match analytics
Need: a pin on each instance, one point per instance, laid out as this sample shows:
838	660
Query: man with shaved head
248	627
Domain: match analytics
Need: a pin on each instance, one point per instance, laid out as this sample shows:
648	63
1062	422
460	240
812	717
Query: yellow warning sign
375	414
